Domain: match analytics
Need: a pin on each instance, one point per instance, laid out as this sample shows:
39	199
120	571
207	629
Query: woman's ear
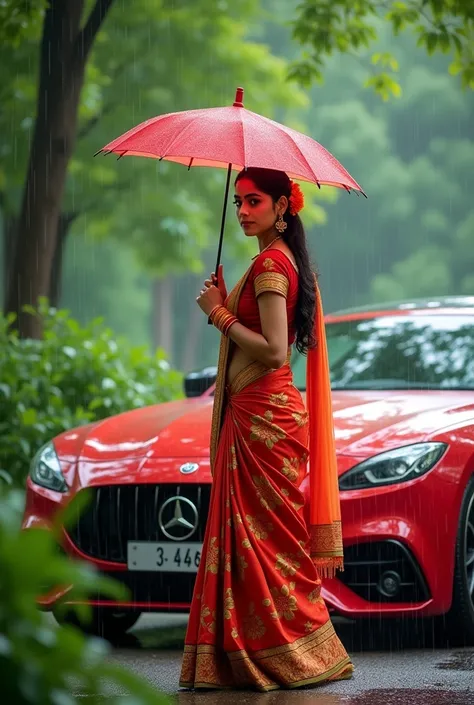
282	205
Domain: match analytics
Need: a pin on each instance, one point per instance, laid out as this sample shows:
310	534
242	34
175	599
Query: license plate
164	557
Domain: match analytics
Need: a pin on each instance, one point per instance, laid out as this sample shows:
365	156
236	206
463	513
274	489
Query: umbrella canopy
233	138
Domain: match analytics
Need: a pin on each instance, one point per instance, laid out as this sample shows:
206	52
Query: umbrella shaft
221	236
224	211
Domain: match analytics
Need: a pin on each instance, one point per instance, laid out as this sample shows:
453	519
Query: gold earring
281	225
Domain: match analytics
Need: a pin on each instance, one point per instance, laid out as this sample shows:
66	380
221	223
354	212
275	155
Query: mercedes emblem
178	518
188	468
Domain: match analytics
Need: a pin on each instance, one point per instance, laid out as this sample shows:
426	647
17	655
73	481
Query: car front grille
118	514
153	586
384	571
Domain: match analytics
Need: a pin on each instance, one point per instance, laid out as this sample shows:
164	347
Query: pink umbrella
232	138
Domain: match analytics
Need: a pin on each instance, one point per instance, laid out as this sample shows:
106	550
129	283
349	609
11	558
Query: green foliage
325	27
40	663
414	236
75	375
119	292
144	63
18	19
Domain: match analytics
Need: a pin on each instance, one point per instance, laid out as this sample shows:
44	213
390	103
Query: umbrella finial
239	98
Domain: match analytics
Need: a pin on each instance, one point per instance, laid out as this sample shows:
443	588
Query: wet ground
396	664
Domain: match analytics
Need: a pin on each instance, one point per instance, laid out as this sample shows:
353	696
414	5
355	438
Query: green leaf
29	417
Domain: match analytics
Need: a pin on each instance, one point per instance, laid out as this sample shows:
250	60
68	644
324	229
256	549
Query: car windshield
420	351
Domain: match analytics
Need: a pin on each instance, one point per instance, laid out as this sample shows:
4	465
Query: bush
75	375
41	663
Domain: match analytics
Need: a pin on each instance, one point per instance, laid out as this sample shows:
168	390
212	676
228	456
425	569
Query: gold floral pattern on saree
246	544
308	626
259	526
287	564
279	399
234	633
300	418
212	559
227	562
229	603
269	497
268	264
253	625
315	595
291	468
242	565
233	459
284	602
263	429
209	625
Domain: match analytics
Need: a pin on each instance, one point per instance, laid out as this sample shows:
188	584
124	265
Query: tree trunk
162	308
64	51
9	232
55	285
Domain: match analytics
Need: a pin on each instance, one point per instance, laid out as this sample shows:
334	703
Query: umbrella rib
166	151
318	182
299	150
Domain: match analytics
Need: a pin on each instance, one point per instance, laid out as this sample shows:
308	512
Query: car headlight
398	465
45	469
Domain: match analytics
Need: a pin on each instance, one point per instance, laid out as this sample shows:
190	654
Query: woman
257	619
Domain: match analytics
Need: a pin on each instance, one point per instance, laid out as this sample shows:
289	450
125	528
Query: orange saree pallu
257	619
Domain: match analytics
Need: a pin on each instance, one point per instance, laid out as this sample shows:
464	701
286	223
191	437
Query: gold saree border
219	392
252	372
249	374
343	668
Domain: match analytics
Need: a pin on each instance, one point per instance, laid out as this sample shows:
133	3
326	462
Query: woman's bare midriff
238	361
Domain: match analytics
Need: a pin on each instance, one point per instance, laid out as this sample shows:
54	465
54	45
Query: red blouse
272	271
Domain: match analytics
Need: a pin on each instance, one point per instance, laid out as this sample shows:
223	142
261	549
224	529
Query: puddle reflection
402	696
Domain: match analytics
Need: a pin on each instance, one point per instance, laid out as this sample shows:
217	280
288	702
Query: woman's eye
237	203
254	202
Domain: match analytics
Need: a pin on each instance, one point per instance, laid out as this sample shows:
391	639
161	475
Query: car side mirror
196	383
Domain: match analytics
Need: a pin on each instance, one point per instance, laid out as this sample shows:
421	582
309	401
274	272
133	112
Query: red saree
257	618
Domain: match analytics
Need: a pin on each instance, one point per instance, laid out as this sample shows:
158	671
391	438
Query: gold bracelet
222	319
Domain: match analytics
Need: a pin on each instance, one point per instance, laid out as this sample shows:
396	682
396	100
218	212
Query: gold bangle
214	310
222	319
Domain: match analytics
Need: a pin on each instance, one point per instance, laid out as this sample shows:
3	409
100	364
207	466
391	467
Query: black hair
276	184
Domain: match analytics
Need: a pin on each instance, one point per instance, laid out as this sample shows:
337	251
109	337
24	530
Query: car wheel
462	611
108	623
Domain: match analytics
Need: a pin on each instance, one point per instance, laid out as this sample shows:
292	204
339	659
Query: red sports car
403	394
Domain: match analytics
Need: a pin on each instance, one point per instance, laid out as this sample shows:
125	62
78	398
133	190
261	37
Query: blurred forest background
137	237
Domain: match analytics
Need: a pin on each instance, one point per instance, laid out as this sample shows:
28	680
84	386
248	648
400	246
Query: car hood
370	422
365	423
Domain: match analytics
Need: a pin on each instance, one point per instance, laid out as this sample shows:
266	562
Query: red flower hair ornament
296	199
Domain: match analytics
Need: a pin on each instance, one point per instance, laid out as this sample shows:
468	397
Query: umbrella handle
221	236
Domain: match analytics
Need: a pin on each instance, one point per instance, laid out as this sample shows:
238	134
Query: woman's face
256	211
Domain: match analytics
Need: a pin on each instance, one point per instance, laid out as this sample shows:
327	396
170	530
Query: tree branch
86	36
90	124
